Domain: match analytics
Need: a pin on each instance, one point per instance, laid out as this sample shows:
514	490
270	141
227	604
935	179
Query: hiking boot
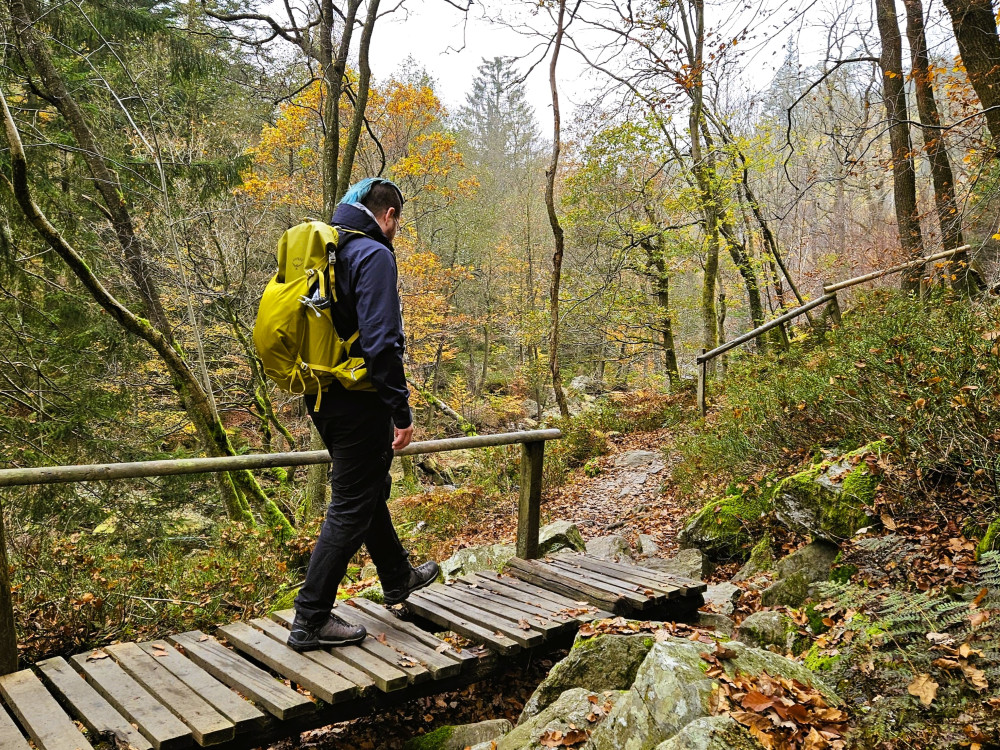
416	579
333	632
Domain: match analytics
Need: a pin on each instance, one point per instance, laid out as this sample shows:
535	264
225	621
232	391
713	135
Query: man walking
361	428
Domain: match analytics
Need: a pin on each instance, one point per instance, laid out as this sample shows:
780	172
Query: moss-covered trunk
8	640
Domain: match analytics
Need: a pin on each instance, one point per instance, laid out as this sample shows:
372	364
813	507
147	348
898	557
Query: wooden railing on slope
829	297
532	444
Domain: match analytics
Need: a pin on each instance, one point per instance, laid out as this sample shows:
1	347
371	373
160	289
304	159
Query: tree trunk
903	177
463	424
192	392
557	231
949	217
8	638
976	33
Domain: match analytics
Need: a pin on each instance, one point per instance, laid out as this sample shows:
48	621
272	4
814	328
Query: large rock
688	563
560	535
636	459
586	384
726	528
605	662
571	711
718	623
672	690
832	499
771	629
722	597
460	737
477	560
612	547
798	572
647	545
712	733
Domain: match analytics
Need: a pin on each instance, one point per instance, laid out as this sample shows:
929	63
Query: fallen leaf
97	655
976	676
924	688
524	624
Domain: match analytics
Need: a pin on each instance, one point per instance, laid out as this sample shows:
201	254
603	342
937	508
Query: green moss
761	555
725	528
815	618
285	600
817	661
991	539
843	573
430	741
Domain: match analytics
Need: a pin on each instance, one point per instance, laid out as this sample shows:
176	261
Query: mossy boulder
604	662
461	736
477	560
558	535
727	528
798	573
571	710
832	499
672	690
771	629
712	733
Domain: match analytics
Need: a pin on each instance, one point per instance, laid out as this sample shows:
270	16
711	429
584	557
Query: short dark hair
382	196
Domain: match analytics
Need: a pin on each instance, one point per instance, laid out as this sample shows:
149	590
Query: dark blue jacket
366	278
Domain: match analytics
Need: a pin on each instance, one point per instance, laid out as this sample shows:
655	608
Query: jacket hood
351	217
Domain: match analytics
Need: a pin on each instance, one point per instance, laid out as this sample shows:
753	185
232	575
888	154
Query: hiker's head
382	198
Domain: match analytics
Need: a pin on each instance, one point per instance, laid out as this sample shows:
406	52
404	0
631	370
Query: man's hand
402	438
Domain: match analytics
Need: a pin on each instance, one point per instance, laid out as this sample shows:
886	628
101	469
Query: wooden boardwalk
244	687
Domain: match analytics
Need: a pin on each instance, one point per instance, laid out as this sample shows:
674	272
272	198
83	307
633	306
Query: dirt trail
626	497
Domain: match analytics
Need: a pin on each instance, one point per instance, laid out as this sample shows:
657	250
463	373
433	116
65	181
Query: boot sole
324	643
423	585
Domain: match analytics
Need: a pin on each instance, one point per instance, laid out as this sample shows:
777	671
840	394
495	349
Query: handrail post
530	502
702	376
835	310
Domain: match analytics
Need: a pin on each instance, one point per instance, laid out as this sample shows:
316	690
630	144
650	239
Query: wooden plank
545	597
428	639
10	735
631	578
485	618
685	586
484	600
451	621
229	668
208	726
510	599
42	718
546	577
675	586
326	685
387	677
241	712
632	594
153	720
439	665
87	705
327	658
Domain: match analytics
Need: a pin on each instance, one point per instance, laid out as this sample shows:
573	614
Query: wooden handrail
893	269
762	329
174	467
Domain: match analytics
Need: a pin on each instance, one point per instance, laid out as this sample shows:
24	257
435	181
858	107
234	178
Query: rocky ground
837	616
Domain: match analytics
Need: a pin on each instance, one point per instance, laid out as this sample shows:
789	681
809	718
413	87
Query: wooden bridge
243	687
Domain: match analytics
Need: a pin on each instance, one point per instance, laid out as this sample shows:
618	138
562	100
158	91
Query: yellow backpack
299	346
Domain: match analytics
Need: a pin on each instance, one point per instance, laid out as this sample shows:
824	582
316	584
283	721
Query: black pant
357	430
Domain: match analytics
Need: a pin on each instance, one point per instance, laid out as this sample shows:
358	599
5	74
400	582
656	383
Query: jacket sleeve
380	324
